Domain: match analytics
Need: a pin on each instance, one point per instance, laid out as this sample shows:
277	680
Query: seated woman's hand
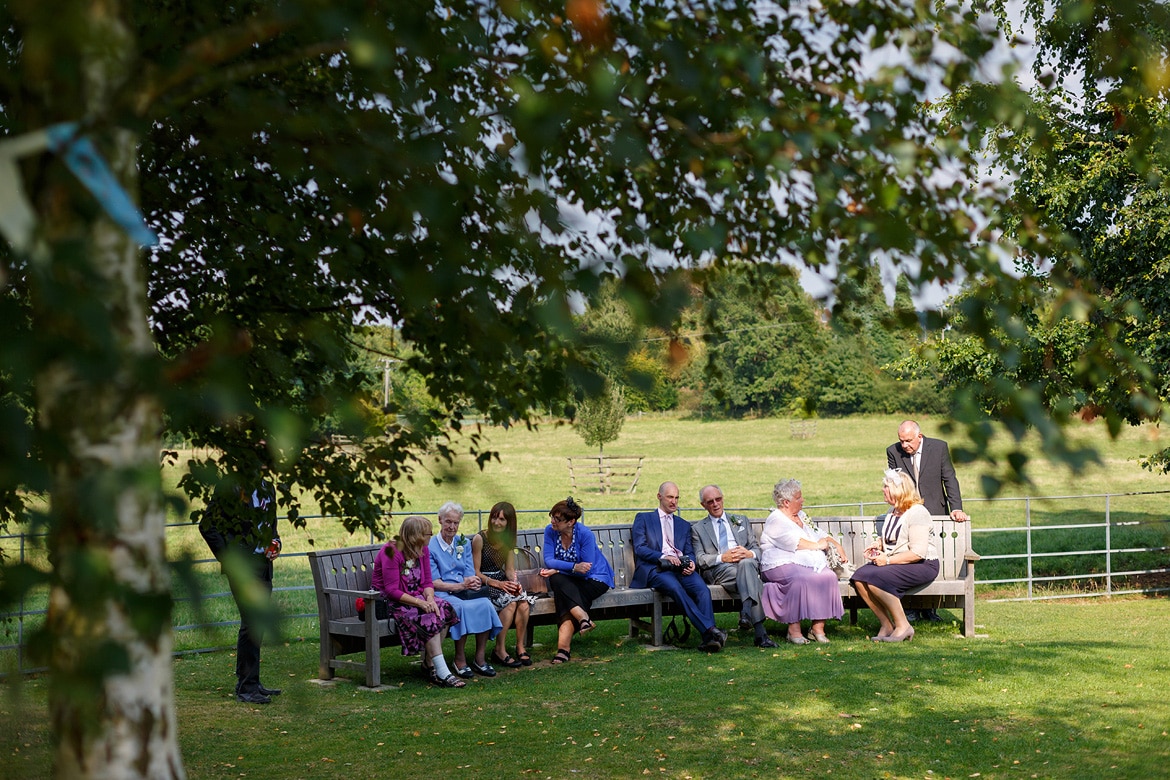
546	573
582	567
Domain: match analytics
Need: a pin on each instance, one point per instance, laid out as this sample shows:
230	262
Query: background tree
600	417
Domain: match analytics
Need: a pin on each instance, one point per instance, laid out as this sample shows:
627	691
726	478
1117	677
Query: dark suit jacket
647	536
707	546
937	482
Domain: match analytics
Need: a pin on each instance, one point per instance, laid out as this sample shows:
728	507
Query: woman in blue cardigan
576	570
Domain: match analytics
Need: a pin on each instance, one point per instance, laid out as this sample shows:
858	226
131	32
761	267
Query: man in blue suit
666	562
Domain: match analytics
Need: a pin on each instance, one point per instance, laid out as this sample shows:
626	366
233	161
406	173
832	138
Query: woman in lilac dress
402	573
798	583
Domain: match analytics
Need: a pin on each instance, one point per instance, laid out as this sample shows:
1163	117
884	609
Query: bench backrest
614	541
350	568
952	541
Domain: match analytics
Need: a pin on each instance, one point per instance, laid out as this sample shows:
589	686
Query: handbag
843	570
530	579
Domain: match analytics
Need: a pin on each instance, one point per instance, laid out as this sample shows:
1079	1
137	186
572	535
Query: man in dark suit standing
928	462
665	561
240	530
729	555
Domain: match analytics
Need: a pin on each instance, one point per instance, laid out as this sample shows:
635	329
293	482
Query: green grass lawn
1054	690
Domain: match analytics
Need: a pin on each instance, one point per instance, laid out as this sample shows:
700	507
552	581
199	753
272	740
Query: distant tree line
751	342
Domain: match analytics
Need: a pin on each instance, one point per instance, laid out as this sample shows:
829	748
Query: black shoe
711	643
722	635
254	697
745	623
912	615
931	615
269	691
483	671
765	641
465	672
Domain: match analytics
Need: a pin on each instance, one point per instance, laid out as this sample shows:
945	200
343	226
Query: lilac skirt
793	593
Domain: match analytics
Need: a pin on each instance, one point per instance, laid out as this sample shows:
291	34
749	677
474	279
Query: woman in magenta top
402	573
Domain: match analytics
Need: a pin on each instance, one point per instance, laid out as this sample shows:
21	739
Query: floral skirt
416	627
501	598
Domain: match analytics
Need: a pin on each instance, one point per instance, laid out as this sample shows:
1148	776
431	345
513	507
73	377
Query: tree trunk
109	617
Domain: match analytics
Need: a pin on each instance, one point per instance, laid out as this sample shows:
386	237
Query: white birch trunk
107	538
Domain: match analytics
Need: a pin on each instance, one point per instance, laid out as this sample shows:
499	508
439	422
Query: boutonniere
410	564
734	521
460	543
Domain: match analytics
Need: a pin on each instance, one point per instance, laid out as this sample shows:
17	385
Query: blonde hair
902	490
412	536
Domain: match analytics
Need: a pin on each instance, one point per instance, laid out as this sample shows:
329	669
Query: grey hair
450	508
704	489
785	490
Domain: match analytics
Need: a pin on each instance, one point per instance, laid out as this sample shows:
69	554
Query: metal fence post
1028	536
1108	548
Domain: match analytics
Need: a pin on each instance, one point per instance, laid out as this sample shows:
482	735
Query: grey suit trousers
743	579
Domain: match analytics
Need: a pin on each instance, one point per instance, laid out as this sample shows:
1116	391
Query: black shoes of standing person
253	697
931	615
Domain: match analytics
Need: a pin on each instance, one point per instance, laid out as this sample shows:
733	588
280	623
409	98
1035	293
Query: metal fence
1120	542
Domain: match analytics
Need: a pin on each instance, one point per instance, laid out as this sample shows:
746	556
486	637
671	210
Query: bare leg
507	615
481	640
893	607
565	633
521	626
461	652
817	627
867	595
579	614
794	630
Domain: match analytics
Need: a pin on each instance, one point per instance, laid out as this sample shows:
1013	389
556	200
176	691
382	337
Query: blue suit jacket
648	544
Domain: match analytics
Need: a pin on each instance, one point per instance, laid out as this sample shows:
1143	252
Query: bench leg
324	667
373	649
657	620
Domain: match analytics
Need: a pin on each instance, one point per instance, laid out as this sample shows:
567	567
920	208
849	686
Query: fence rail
1123	543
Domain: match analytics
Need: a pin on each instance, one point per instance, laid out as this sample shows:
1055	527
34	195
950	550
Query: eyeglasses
714	500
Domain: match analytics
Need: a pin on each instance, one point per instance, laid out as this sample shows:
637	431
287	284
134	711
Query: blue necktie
721	532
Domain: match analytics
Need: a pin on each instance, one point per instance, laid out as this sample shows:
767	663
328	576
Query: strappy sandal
507	661
524	658
450	681
562	657
585	626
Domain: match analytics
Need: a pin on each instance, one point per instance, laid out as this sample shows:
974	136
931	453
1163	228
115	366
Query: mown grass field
1053	690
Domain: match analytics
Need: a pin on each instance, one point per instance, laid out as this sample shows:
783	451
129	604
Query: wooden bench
606	471
341	576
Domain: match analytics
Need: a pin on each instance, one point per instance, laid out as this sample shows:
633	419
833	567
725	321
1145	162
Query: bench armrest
970	556
363	594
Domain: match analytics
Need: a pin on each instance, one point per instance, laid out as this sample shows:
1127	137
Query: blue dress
476	614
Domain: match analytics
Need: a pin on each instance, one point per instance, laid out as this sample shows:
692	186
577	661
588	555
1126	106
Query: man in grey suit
928	462
729	555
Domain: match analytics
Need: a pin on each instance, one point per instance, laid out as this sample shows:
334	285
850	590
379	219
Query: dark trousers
251	627
690	592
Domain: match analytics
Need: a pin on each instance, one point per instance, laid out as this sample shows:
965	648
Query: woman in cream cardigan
903	558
